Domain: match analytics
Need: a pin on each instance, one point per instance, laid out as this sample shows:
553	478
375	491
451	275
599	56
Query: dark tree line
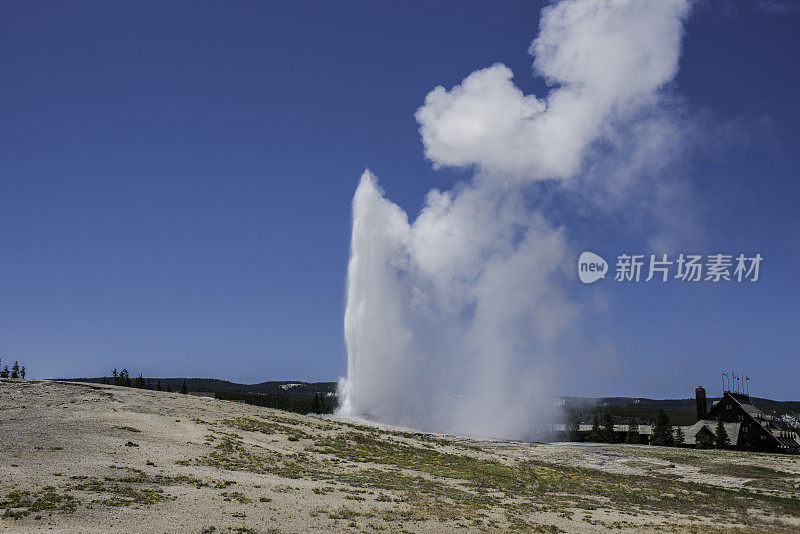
123	378
664	434
16	371
317	404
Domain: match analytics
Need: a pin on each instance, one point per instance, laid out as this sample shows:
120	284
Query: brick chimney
700	396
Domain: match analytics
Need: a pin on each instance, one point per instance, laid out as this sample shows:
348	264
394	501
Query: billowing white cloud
605	59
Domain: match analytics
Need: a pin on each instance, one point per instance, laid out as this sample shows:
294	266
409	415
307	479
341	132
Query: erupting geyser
451	319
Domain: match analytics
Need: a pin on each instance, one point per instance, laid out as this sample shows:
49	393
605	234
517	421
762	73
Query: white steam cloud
451	319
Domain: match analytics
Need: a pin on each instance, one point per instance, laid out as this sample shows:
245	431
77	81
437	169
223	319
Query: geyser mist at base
443	349
452	319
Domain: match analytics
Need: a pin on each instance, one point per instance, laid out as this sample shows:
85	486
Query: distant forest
283	388
304	405
298	397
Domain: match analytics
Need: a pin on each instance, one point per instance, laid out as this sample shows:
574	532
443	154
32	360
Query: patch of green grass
21	503
235	496
118	492
757	472
133	488
344	513
267	427
231	454
443	485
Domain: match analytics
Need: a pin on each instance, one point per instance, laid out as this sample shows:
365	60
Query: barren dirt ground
91	458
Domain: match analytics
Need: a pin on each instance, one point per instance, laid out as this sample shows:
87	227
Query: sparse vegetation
453	486
346	476
133	488
235	496
20	503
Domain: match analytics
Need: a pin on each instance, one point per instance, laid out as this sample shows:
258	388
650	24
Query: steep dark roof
785	438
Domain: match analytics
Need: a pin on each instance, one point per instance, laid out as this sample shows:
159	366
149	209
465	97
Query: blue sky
175	184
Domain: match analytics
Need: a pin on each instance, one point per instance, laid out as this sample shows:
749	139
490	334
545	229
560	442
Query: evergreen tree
15	370
632	437
662	430
22	372
158	385
4	372
608	428
680	437
595	434
115	376
139	382
168	389
124	378
184	389
573	425
721	439
704	439
316	406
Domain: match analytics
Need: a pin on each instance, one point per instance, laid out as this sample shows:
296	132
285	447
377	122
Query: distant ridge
276	388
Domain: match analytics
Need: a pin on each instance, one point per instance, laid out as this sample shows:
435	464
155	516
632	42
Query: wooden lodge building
748	428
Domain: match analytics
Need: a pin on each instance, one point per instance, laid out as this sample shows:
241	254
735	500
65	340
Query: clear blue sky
175	183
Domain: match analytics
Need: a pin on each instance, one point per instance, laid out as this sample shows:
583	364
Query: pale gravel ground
52	431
